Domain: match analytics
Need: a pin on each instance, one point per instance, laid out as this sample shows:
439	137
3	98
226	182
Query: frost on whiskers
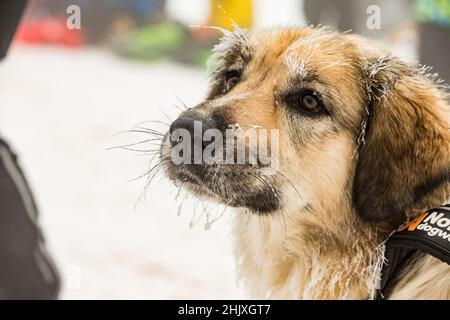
202	211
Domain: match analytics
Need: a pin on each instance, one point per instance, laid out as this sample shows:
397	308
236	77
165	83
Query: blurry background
66	93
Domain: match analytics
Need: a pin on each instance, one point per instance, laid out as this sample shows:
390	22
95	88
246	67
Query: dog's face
339	123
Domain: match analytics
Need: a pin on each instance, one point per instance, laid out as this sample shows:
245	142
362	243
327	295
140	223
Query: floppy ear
403	164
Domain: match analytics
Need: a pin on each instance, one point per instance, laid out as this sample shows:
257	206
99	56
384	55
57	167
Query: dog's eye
308	101
311	103
231	79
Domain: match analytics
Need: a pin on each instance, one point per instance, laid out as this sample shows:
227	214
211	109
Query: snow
61	109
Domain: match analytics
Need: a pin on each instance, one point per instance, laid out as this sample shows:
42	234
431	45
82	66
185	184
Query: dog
364	145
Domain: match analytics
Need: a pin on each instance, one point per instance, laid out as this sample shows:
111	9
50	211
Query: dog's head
349	122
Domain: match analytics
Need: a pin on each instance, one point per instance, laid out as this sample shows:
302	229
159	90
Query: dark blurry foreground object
434	50
26	270
10	14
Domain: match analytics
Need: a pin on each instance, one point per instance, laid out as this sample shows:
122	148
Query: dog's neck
323	251
303	257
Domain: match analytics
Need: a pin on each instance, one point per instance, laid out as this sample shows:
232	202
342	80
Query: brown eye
306	101
310	102
231	79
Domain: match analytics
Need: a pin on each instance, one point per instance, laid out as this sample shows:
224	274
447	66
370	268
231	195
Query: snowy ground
60	110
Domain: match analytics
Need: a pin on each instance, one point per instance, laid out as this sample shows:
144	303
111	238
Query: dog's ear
404	160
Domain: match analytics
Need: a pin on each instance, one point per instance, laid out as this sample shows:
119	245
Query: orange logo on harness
413	224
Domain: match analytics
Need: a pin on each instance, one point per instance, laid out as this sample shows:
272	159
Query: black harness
429	233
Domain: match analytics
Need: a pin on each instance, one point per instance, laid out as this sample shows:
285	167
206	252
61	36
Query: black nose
195	125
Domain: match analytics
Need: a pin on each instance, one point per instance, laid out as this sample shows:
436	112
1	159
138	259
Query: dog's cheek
320	171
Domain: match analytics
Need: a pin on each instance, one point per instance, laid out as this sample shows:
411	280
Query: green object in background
202	58
163	41
152	42
436	11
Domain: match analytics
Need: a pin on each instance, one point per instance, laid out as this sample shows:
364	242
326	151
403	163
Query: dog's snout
195	125
183	122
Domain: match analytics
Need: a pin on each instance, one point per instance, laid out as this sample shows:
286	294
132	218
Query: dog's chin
228	186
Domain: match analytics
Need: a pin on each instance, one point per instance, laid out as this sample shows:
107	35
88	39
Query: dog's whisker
141	130
178	107
146	131
183	107
203	26
196	201
180	206
165	115
209	224
146	151
156	166
153	121
149	130
133	144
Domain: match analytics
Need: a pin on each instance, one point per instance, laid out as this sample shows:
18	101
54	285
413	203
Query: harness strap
429	233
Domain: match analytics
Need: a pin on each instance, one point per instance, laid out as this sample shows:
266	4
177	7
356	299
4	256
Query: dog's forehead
296	48
310	51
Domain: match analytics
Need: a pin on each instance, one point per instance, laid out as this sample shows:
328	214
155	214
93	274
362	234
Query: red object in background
49	30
